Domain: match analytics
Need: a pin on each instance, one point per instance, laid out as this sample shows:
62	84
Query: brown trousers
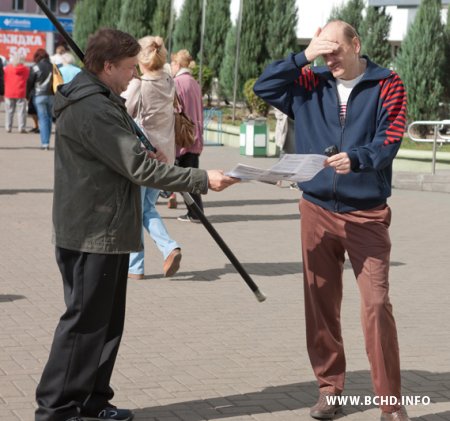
326	236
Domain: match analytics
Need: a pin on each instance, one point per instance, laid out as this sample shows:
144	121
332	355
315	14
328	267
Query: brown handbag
184	126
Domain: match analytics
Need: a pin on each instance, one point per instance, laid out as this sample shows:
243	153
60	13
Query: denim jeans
44	107
152	222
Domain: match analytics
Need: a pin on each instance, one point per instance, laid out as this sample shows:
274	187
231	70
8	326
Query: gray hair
17	59
68	58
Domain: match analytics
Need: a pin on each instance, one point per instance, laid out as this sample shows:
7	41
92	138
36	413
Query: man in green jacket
99	168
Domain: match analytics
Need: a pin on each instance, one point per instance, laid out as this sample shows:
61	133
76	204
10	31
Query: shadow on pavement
298	396
4	298
16	148
17	191
221	204
217	219
257	269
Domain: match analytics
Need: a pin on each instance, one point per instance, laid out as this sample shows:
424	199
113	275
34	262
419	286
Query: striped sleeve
393	96
381	151
307	79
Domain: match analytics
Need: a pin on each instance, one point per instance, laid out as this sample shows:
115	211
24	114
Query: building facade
24	28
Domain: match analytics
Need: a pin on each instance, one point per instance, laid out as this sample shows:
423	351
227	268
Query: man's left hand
340	162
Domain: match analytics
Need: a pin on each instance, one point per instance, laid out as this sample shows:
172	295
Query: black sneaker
187	218
111	413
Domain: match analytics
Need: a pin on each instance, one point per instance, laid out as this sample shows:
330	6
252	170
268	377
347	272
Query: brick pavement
199	346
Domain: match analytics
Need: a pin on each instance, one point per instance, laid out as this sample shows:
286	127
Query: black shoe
110	413
74	419
187	218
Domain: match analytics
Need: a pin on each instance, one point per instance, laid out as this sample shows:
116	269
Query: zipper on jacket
342	123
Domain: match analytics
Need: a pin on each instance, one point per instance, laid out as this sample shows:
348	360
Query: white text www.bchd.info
353	400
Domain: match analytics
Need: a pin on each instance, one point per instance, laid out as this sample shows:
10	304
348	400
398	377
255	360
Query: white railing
437	137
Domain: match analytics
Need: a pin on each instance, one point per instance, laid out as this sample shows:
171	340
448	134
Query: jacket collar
183	71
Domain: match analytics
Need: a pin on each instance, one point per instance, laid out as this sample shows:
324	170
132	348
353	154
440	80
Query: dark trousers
87	338
191	160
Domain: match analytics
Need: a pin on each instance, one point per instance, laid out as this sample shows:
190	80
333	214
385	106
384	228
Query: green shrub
255	104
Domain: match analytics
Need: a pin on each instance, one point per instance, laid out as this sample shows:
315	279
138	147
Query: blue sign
33	23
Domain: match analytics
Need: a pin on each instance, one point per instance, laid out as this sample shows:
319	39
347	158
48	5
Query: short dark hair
39	55
111	45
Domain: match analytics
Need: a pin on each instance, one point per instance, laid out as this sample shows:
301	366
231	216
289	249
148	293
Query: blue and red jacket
371	134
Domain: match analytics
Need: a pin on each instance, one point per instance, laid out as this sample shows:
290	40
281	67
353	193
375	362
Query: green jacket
99	168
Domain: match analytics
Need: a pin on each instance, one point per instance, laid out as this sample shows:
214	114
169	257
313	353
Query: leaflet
291	167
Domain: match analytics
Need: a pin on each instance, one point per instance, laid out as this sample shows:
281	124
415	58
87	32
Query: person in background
68	69
32	113
57	58
149	100
2	82
357	108
189	93
284	138
16	76
40	82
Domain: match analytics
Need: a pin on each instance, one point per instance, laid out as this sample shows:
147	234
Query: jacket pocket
119	206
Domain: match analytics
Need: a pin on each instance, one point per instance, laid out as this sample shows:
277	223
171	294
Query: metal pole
200	72
236	64
433	163
170	31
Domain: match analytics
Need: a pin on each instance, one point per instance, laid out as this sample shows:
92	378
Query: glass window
52	5
17	5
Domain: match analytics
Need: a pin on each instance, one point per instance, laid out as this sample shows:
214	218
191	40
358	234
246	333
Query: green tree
420	62
87	20
161	20
216	29
445	78
253	53
374	35
136	17
283	15
350	12
111	14
207	77
187	32
226	74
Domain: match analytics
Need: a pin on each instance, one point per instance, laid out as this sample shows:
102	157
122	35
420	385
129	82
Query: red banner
19	42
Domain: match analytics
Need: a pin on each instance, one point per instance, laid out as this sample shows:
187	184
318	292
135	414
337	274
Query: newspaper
291	167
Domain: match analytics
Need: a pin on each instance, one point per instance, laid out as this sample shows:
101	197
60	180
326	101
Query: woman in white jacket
149	99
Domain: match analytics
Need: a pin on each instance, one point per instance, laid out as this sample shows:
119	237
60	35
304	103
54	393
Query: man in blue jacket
357	109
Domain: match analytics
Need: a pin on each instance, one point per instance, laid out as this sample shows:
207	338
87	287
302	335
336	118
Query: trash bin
253	137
